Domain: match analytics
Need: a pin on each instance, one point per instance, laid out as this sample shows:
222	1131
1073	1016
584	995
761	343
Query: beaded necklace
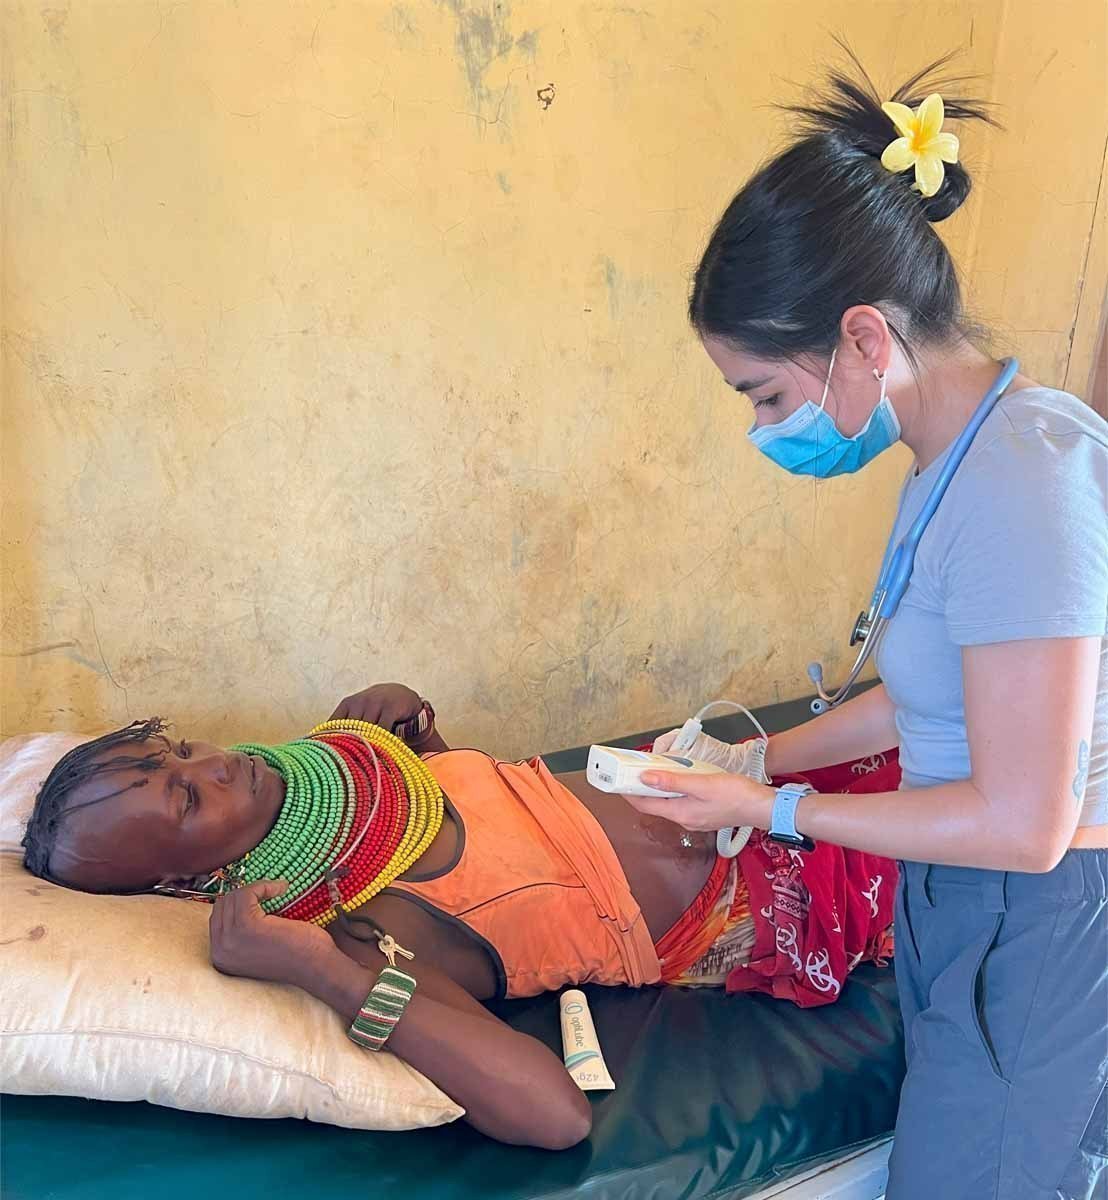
360	808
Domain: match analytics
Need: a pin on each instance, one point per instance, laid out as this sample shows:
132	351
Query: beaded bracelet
418	728
383	1007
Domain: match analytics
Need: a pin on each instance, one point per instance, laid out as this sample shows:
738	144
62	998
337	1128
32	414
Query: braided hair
81	764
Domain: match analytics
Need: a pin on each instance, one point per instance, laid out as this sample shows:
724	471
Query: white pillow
113	997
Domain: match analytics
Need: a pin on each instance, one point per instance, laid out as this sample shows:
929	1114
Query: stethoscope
896	570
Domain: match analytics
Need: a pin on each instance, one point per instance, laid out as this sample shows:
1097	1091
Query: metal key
390	948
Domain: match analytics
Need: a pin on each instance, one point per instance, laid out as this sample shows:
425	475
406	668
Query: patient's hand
383	704
247	941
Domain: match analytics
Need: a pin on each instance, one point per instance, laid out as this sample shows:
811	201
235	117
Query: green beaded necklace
313	823
360	808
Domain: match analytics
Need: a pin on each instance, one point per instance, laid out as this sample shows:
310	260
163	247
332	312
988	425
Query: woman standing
826	296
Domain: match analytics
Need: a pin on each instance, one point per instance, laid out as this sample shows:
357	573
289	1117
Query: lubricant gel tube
580	1047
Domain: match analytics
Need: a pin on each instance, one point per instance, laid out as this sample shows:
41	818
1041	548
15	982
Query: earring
880	376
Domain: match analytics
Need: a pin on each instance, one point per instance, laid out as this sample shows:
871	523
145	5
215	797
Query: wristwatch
417	727
782	825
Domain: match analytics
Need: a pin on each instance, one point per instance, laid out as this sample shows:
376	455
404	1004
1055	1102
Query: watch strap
782	827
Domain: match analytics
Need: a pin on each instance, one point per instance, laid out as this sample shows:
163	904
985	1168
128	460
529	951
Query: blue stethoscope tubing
896	570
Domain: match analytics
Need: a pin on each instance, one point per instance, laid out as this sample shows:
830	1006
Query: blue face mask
807	442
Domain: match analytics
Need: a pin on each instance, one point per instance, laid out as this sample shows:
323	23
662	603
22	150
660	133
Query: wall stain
625	292
31	651
482	37
546	96
402	24
35	934
55	20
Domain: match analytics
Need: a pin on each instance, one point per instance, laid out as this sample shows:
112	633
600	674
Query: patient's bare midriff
665	866
665	869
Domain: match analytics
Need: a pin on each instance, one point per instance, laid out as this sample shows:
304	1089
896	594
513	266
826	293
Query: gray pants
1003	981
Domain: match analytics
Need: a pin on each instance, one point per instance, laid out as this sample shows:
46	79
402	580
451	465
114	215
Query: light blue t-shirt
1017	549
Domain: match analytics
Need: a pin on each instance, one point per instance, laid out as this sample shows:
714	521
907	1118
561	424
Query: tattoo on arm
1081	779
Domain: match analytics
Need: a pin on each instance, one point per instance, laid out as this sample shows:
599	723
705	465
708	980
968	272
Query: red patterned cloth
818	915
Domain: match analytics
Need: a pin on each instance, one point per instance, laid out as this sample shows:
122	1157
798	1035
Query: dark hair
81	764
824	226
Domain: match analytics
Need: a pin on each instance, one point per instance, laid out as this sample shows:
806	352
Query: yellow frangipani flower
922	143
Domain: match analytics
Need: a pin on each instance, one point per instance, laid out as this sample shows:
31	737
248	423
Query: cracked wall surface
346	342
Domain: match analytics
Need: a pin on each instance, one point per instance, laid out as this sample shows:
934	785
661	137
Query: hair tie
922	143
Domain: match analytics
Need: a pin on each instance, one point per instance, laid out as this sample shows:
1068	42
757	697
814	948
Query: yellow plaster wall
345	342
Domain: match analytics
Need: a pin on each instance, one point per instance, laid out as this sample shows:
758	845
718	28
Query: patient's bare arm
512	1087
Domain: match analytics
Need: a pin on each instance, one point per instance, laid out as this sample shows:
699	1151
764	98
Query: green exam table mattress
717	1096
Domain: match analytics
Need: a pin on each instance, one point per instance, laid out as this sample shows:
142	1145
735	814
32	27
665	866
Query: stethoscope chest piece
861	627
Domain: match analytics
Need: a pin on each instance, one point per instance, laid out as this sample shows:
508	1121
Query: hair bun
949	198
849	109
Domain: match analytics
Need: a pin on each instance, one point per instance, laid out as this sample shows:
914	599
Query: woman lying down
420	881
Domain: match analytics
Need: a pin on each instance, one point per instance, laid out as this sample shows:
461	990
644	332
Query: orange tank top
536	880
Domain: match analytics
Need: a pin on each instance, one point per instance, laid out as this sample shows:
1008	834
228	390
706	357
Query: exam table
721	1097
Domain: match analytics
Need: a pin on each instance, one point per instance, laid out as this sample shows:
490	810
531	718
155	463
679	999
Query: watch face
798	841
